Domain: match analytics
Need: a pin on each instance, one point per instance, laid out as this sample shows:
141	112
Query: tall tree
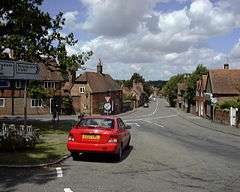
137	77
171	88
192	83
30	32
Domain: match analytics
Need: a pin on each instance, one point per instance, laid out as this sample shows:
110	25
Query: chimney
226	66
99	67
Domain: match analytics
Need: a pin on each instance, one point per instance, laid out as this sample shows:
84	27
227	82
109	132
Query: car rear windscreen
96	122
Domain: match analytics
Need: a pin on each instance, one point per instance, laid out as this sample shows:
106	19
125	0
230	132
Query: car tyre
128	144
118	156
75	156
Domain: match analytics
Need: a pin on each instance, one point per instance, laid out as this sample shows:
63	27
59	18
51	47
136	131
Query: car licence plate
95	137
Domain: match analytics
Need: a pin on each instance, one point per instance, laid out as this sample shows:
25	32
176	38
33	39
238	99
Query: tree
137	78
70	64
29	32
34	36
171	88
192	83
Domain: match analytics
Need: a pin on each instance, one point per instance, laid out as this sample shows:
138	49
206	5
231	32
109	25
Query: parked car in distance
146	105
99	134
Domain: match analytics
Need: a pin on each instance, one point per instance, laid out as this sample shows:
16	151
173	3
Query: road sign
18	70
107	106
107	98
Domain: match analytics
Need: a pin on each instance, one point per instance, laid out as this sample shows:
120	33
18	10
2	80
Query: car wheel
75	156
118	156
128	144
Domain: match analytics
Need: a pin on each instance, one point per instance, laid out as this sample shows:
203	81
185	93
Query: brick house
90	89
137	93
12	96
200	96
222	84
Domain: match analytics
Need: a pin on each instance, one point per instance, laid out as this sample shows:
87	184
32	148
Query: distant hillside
159	83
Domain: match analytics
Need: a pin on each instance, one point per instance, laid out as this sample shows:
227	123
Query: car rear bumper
88	147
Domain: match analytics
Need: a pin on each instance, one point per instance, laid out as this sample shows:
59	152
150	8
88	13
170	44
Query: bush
17	137
235	103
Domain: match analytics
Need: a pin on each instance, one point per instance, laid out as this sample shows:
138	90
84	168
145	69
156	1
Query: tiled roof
225	81
99	82
50	71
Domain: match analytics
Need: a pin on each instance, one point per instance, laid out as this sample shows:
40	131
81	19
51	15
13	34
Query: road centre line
160	117
59	172
67	190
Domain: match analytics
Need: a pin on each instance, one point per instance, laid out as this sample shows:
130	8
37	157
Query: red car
99	134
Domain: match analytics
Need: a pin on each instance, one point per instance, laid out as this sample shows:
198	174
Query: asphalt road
167	154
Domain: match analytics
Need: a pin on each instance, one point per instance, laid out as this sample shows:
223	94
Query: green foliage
235	103
70	64
192	83
13	140
35	90
67	106
29	31
170	89
137	77
148	89
159	84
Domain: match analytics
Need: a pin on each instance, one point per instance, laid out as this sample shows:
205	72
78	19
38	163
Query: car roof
99	117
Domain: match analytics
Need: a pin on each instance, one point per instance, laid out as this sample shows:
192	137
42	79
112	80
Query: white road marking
156	108
133	124
154	123
59	172
67	190
160	117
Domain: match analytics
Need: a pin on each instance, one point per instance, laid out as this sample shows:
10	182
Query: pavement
169	152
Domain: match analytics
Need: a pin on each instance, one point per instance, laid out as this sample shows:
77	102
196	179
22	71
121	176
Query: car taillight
70	138
113	139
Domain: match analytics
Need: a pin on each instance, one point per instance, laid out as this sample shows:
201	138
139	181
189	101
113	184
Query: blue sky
156	38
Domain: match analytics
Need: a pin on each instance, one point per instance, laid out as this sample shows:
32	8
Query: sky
155	38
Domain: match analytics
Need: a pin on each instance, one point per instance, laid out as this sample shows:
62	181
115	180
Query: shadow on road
11	178
104	158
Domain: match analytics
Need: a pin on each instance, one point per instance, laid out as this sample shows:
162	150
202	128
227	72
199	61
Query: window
18	84
2	102
49	84
121	124
96	122
36	103
82	89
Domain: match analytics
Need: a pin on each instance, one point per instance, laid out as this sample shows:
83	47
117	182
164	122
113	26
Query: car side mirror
128	127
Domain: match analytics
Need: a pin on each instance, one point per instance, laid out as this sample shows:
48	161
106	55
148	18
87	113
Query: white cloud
71	20
115	17
131	37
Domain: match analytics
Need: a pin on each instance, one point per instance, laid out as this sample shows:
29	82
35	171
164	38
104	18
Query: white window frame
36	106
2	106
18	84
82	89
49	84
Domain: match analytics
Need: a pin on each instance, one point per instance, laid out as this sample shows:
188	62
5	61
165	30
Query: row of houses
88	92
216	86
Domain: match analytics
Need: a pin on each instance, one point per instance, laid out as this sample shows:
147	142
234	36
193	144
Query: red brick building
90	89
222	84
12	96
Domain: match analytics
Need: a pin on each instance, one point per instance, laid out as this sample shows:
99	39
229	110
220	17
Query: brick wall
222	116
19	108
76	103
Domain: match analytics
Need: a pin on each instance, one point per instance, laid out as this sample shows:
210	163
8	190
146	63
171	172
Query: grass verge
52	146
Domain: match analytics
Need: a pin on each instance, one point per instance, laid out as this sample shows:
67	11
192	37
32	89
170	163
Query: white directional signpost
19	70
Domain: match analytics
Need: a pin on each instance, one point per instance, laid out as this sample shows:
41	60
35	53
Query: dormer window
82	89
